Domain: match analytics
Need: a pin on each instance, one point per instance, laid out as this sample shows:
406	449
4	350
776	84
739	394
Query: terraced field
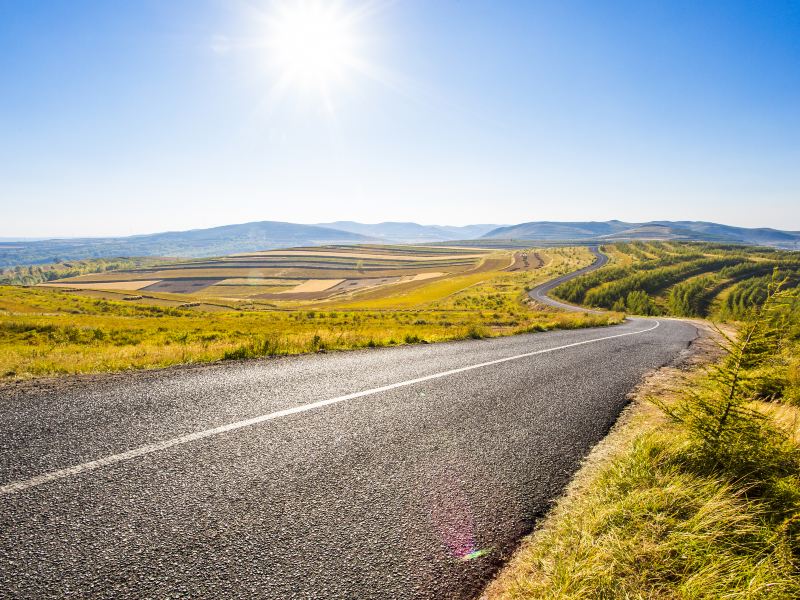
300	274
683	279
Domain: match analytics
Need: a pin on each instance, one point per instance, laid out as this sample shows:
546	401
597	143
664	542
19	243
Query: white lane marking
18	486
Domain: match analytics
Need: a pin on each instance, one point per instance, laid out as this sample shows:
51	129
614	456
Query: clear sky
143	116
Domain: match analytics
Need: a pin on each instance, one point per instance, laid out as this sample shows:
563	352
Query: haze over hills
653	230
412	233
266	235
216	241
230	239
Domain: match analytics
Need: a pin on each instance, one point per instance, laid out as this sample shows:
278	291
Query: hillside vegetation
682	279
700	499
33	274
619	231
261	235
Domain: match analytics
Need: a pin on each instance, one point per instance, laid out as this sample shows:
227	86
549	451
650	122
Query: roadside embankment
664	508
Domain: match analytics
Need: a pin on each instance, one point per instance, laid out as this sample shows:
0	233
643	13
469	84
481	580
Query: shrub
476	333
264	347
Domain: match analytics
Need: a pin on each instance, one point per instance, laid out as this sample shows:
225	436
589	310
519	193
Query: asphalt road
540	292
405	472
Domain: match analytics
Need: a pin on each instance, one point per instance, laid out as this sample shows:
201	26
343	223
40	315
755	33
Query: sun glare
312	45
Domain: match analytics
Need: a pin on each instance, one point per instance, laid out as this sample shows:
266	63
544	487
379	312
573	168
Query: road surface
406	472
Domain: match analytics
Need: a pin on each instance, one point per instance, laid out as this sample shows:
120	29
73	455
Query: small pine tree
718	415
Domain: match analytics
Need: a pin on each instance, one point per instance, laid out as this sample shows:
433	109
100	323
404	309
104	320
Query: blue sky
134	117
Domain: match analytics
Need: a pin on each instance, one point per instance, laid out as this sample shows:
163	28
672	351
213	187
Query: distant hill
266	235
228	239
411	233
653	230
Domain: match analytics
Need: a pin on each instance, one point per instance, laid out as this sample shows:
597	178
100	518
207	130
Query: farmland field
277	302
311	274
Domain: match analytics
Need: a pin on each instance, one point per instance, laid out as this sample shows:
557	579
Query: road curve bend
407	472
540	292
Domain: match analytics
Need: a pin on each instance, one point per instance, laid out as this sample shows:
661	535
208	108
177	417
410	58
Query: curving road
540	292
405	472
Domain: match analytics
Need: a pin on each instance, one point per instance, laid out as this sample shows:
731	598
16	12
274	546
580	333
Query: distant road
540	292
406	472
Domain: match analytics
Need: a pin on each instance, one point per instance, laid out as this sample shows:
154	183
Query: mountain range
651	230
265	235
412	233
215	241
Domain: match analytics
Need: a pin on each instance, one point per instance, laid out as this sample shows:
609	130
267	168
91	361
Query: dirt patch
484	251
526	261
344	286
386	256
239	281
352	285
238	292
314	285
423	276
129	286
494	263
181	286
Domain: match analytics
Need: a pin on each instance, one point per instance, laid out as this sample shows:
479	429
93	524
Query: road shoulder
534	570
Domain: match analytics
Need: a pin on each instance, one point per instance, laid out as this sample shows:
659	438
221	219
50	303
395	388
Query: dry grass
642	521
51	332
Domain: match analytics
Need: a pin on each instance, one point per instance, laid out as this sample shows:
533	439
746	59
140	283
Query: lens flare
452	517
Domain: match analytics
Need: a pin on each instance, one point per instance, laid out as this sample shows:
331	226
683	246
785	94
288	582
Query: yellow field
282	275
412	293
308	271
49	331
314	285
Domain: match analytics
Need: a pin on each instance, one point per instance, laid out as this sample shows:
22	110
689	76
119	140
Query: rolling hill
216	241
268	235
653	230
412	233
229	239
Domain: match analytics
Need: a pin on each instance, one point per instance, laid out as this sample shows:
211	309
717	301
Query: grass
696	495
648	525
453	292
681	279
51	332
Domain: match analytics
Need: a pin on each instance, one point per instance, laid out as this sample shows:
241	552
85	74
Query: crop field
307	274
339	275
683	279
251	312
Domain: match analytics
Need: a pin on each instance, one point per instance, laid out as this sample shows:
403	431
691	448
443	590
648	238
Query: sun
313	45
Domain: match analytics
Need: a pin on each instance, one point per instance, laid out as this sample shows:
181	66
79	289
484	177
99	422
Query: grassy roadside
46	332
695	494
